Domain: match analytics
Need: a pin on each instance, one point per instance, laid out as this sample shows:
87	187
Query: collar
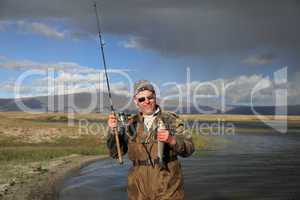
157	112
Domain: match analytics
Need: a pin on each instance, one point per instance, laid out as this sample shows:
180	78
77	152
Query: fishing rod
115	130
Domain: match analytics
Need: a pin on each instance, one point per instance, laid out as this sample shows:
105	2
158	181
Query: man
147	179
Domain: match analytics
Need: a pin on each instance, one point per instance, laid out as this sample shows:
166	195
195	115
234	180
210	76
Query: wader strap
148	162
149	155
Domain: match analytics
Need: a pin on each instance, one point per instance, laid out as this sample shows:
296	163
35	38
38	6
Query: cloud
7	63
61	85
235	91
132	43
65	77
33	27
180	28
262	59
26	90
76	78
91	78
295	87
45	30
77	35
25	64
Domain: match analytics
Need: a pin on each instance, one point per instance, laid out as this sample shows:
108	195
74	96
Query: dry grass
54	116
49	115
45	127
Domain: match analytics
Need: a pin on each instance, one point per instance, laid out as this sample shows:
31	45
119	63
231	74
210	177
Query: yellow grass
103	117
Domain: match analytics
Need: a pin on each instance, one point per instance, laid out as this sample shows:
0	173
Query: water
249	167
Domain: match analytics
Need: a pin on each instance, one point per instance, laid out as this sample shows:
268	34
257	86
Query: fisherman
147	179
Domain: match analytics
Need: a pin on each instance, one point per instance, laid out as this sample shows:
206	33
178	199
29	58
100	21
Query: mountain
11	104
78	102
263	110
82	102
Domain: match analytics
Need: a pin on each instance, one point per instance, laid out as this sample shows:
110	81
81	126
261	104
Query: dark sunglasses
142	99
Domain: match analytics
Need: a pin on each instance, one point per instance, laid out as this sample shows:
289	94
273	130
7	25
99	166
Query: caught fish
160	145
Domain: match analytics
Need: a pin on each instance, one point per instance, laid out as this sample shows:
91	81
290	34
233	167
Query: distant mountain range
59	103
264	110
80	102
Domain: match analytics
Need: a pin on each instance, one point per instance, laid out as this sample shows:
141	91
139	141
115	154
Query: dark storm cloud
193	27
262	59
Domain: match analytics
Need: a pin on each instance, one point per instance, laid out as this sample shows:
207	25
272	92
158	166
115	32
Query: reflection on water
250	167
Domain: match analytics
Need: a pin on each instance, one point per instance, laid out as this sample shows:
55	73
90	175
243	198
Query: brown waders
147	180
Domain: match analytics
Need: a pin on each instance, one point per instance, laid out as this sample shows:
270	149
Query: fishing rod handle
116	133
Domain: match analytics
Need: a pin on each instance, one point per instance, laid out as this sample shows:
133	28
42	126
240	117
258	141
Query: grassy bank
36	137
39	137
26	152
32	144
20	161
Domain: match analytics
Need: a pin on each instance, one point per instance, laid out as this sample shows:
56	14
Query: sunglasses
142	99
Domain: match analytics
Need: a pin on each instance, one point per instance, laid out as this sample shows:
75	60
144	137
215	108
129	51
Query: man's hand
112	121
163	135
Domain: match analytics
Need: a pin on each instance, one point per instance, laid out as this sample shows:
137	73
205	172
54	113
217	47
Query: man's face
146	102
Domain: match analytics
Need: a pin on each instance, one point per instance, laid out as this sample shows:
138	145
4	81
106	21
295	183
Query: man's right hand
112	121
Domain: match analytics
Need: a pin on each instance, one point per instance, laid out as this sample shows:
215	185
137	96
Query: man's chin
148	111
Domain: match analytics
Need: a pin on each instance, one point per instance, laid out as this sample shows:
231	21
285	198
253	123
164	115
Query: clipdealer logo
58	88
279	122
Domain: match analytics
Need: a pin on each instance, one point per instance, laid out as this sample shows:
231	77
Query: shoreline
45	183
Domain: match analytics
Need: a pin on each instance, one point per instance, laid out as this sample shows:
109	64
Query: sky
189	47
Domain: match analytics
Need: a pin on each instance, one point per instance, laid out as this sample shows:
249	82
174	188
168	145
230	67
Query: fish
160	146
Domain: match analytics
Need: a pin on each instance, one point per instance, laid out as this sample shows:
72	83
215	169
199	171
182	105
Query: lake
251	166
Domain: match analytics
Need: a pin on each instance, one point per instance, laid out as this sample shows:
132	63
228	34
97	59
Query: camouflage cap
142	85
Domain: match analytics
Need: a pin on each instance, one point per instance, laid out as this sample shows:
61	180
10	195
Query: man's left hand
163	135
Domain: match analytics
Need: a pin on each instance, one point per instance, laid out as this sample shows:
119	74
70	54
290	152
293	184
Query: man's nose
147	101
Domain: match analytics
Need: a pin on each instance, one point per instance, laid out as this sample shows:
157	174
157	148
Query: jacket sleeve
184	144
111	143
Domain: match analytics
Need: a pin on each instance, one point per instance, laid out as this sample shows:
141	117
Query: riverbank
37	151
40	180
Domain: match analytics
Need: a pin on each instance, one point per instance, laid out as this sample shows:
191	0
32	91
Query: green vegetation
38	137
26	138
63	146
205	144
